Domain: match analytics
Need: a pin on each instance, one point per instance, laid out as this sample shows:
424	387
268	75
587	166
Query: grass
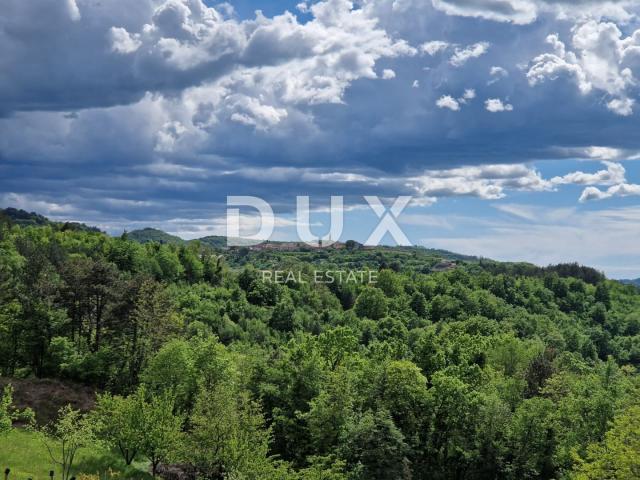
26	455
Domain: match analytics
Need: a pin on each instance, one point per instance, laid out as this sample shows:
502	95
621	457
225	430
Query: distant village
442	266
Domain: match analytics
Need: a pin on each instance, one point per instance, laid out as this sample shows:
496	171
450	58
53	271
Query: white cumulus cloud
488	182
614	174
122	41
497	73
516	11
495	105
388	74
469	94
463	55
447	101
433	47
602	60
523	12
621	190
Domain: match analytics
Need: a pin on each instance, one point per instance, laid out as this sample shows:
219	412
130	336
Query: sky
512	124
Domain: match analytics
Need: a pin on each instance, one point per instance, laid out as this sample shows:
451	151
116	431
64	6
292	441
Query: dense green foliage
483	371
147	235
9	414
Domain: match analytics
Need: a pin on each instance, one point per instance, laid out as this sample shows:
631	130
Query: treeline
16	216
472	373
564	270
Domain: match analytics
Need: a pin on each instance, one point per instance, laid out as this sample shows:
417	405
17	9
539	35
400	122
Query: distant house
444	266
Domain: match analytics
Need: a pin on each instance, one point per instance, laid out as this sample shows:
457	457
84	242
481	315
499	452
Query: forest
200	368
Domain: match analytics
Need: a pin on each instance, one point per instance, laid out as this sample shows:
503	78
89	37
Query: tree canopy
483	371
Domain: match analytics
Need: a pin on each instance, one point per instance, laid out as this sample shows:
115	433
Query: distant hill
635	282
147	235
23	218
214	241
451	255
354	252
219	242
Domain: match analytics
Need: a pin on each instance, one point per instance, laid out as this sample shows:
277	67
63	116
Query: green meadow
26	455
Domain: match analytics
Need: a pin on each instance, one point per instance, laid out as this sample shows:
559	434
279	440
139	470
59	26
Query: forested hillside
479	370
147	235
23	218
